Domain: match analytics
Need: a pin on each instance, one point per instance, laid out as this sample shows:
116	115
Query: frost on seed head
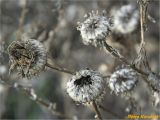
125	19
27	56
86	86
122	80
95	28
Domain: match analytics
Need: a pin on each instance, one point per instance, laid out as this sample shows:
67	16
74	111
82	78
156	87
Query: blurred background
54	22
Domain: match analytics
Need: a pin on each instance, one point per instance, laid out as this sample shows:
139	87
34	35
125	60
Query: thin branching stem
143	15
117	55
95	107
59	68
142	28
31	94
64	70
34	97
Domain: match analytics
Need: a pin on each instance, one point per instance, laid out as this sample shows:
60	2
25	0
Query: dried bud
95	28
27	56
125	20
86	86
123	80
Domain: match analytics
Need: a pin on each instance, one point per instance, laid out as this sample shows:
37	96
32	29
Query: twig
34	97
117	55
95	107
59	68
143	17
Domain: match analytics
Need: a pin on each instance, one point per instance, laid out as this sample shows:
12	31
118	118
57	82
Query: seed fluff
123	80
125	19
95	28
27	56
86	86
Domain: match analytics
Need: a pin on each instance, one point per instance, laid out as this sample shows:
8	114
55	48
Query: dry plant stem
59	68
34	97
95	107
30	92
21	19
117	55
143	13
142	19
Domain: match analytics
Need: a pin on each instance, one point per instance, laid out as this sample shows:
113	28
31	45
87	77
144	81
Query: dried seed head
95	28
86	86
125	19
27	56
123	80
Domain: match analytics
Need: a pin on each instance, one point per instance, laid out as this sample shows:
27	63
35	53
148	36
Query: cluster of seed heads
95	28
123	80
86	86
125	18
27	56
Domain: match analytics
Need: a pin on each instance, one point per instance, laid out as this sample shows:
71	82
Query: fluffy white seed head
86	86
125	19
95	28
27	56
122	80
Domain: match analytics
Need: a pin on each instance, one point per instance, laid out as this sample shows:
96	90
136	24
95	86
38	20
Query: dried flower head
125	19
95	28
123	80
27	56
86	86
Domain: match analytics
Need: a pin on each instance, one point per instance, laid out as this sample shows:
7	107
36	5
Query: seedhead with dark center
122	79
93	24
83	81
